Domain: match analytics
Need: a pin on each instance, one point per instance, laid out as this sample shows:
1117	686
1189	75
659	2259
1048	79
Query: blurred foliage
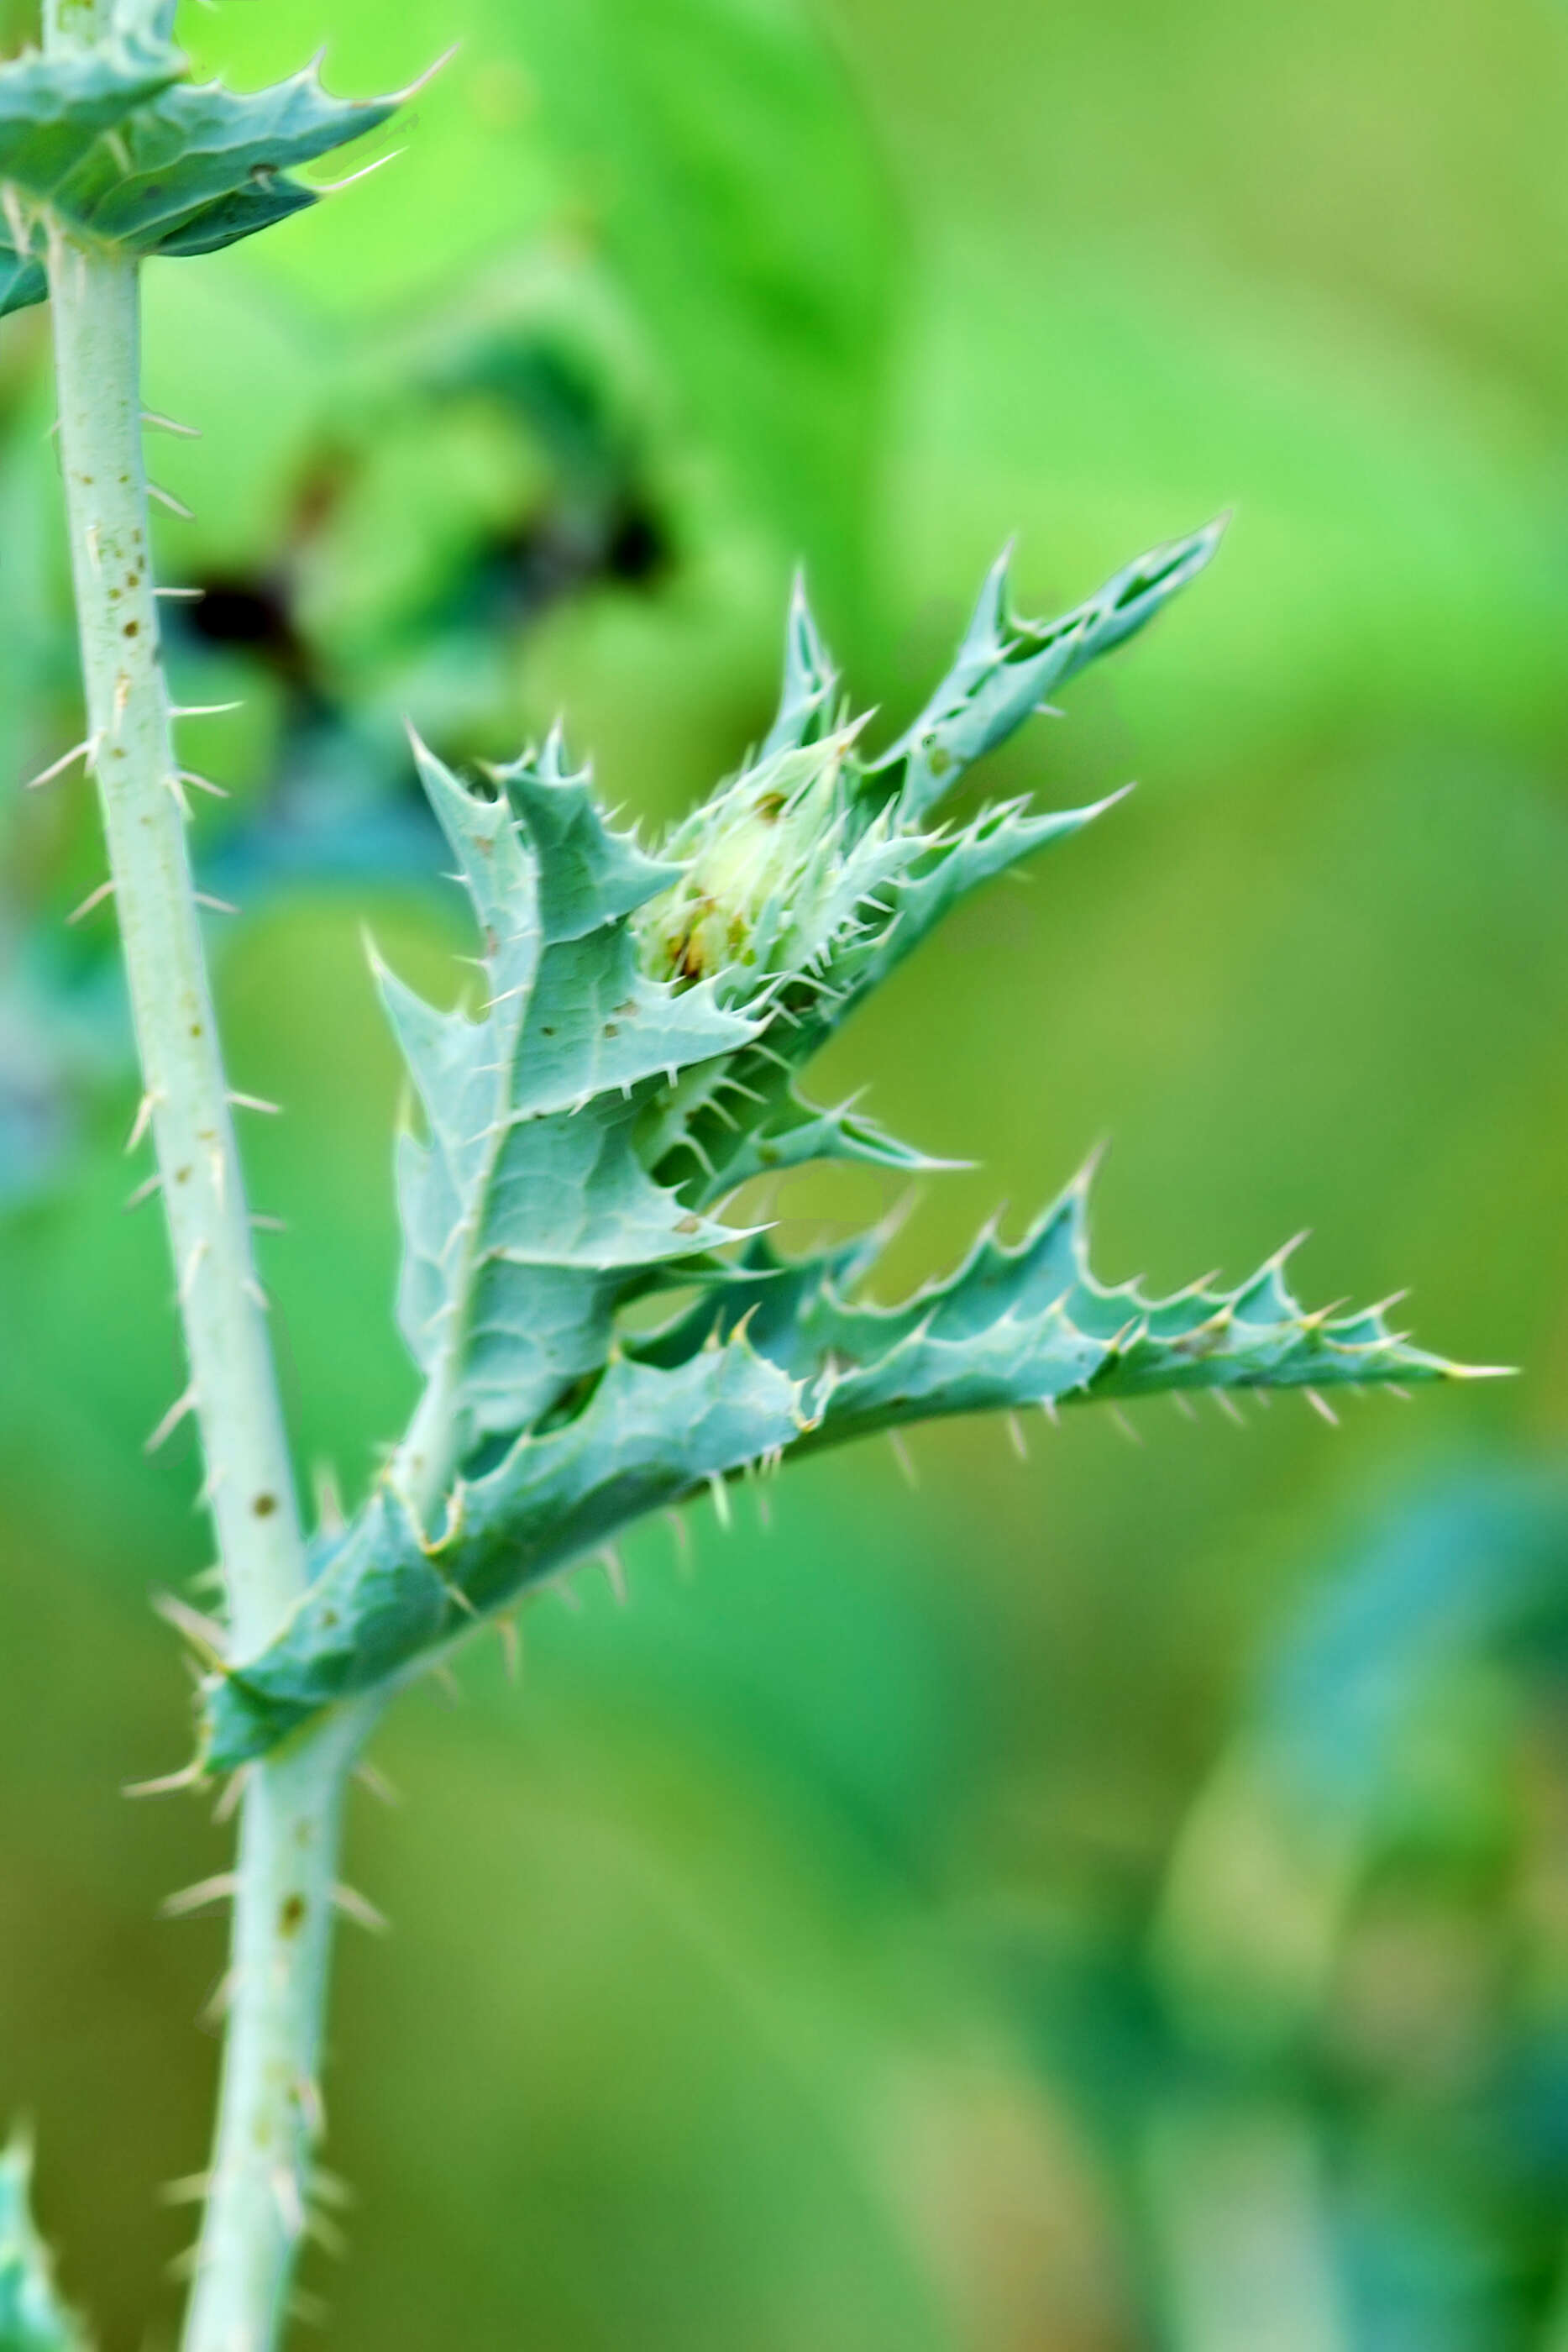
1091	1903
31	2316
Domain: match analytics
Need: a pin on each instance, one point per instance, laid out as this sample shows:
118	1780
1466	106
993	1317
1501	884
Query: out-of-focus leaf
740	202
1475	1564
31	2317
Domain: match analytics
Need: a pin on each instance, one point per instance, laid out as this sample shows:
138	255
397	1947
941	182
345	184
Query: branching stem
269	2109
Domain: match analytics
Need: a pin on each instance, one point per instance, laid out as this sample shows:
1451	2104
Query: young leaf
528	1214
633	1061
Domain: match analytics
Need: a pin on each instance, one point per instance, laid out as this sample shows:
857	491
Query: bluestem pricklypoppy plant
629	1064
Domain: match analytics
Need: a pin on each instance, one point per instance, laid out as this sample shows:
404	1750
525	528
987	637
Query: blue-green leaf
385	1598
529	1213
111	145
1031	1325
632	1060
1007	666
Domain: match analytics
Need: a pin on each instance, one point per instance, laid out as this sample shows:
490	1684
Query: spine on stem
187	1105
269	2111
109	153
258	2205
288	1844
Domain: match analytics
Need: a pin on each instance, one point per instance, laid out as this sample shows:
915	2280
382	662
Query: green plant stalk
188	1108
269	2105
269	2108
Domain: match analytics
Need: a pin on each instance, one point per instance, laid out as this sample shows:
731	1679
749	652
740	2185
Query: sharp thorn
188	1776
191	2190
371	1778
206	1492
204	1634
171	1421
192	1267
82	751
205	1892
615	1573
330	1517
230	1794
287	2198
167	498
94	898
158	424
1322	1407
217	906
256	1102
360	1909
325	2233
904	1459
336	187
216	2007
423	81
511	1643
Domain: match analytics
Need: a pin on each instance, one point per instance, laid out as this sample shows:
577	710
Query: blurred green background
1110	1900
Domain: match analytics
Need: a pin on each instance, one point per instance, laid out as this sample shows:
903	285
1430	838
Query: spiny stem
236	1397
269	2111
269	2108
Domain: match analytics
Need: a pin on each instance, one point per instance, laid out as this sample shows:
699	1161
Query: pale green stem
270	2110
233	1393
269	2105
